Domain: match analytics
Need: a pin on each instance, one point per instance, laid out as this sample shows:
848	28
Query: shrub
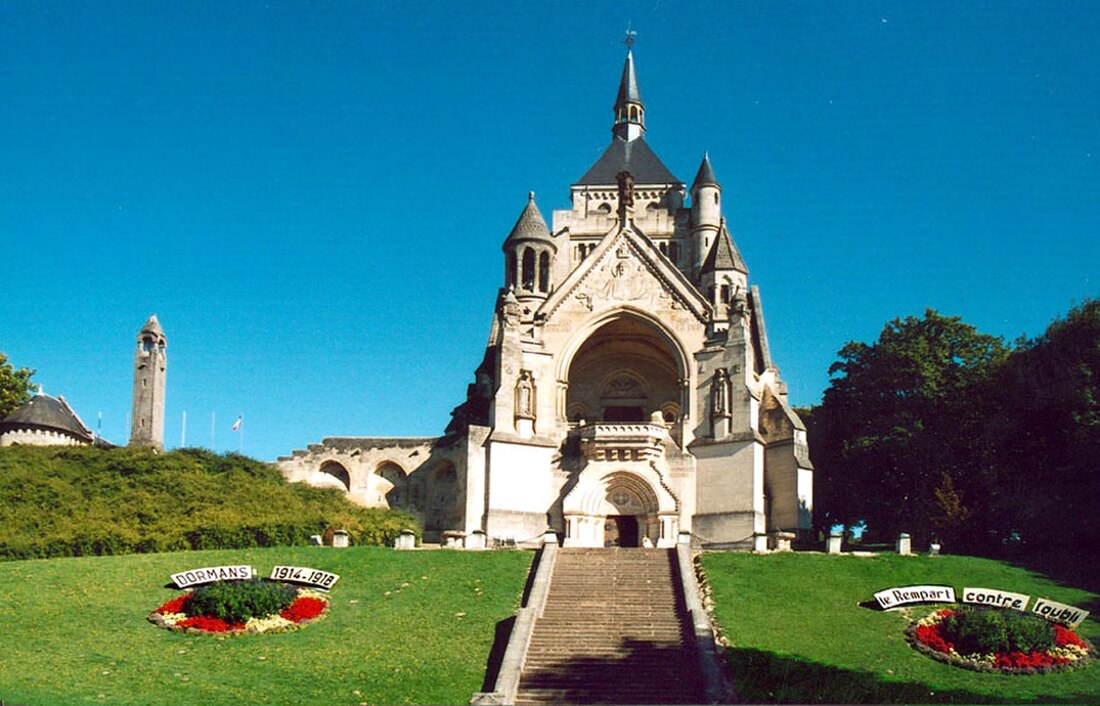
988	630
72	501
237	601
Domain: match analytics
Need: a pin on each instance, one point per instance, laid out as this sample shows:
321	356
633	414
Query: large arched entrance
625	371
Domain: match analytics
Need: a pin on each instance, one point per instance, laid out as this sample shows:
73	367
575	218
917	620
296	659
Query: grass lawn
405	627
799	635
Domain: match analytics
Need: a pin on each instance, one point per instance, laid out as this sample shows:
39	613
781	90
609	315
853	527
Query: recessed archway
624	370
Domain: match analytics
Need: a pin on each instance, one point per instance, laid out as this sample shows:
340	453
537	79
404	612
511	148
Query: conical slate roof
45	412
530	225
628	84
723	254
705	175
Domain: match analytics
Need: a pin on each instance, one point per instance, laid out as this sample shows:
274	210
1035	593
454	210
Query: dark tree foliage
15	386
940	431
890	440
1042	438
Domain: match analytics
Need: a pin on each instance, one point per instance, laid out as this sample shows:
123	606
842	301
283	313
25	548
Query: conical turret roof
152	325
530	225
705	175
723	254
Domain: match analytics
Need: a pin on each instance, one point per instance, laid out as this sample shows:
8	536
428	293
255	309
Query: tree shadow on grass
766	677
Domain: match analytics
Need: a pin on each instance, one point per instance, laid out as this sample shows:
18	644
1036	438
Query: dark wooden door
620	531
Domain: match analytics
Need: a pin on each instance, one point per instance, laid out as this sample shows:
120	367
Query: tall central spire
629	110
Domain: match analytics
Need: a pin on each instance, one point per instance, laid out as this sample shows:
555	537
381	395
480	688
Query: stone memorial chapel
627	393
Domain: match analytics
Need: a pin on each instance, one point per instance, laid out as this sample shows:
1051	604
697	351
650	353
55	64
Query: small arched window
726	293
544	272
527	278
510	269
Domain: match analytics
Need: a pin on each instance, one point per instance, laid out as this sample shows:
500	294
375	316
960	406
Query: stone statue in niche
525	395
719	393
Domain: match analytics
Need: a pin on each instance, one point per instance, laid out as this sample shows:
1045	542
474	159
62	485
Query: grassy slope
74	631
799	635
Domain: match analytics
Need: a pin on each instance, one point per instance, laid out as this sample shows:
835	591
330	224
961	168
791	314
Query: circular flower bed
241	608
992	640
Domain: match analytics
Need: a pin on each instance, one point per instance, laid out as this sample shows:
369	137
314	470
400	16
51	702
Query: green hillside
81	501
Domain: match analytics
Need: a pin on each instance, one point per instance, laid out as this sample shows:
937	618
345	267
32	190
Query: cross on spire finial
630	36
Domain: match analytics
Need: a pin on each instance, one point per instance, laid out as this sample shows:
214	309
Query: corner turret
706	213
529	254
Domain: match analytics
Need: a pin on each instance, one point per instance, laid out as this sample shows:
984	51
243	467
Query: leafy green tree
896	422
15	386
1042	437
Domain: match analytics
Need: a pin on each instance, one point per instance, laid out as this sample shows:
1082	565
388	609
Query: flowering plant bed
224	609
992	640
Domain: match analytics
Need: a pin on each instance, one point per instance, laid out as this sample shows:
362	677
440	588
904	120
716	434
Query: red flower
176	605
1065	637
945	613
208	624
1026	660
304	608
930	636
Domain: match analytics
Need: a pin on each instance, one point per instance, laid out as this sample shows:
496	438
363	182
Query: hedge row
77	501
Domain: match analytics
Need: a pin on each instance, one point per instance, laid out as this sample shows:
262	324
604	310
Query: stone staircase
614	630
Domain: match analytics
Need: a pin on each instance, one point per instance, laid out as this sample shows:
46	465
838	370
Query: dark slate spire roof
705	175
635	157
628	84
530	225
723	254
43	411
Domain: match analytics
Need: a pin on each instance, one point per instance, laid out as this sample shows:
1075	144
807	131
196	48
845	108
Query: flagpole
240	439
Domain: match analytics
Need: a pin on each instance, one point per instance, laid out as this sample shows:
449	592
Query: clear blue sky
312	196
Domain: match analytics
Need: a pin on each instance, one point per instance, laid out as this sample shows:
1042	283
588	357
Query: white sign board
995	599
305	575
210	574
1059	612
894	597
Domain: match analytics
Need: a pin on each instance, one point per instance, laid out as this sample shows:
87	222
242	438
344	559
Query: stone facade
627	393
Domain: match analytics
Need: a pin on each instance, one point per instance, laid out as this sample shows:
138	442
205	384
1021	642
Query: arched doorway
623	508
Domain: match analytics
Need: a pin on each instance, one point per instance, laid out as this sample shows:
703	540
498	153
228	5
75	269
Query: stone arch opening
442	511
334	475
624	371
391	486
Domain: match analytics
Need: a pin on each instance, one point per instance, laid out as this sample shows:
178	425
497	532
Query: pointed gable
627	268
